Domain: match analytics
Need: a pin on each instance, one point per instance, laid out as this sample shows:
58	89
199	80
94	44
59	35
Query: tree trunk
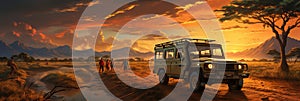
284	67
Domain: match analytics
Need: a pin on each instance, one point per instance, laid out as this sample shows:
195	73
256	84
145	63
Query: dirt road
254	89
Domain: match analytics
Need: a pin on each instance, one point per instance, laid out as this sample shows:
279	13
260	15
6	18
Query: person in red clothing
101	64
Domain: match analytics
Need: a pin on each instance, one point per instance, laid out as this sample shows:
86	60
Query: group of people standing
108	64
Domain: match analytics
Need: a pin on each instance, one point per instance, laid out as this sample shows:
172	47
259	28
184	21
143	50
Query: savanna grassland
56	81
36	81
269	70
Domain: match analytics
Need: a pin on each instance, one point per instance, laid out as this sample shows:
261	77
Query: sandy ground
120	84
254	89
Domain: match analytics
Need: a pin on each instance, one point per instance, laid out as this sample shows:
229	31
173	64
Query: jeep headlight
210	66
240	67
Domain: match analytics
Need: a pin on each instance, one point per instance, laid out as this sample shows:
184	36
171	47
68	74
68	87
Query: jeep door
170	56
177	63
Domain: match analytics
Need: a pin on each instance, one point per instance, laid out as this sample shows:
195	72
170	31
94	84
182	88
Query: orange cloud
72	9
188	6
33	32
16	34
27	26
130	7
43	36
62	34
15	24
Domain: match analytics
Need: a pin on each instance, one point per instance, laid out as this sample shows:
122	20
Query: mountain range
60	51
260	52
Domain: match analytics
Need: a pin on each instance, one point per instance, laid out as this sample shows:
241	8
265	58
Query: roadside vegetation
20	87
268	70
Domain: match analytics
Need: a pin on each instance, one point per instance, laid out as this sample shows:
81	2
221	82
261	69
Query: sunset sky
51	23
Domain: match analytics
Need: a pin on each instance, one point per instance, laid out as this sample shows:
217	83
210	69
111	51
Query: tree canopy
295	52
277	14
275	54
280	15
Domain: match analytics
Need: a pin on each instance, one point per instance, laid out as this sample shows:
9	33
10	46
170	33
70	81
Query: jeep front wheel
196	83
163	78
236	84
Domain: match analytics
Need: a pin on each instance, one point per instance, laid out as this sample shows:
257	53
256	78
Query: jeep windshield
213	51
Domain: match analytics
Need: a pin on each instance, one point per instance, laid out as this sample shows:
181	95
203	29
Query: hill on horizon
260	52
60	51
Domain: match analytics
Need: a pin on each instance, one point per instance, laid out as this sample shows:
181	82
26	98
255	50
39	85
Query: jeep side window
205	52
159	55
179	54
169	54
217	52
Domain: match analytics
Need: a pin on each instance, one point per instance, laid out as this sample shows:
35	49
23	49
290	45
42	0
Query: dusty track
254	89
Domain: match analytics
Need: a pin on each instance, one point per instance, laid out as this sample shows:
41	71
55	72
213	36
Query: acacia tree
295	52
275	54
282	16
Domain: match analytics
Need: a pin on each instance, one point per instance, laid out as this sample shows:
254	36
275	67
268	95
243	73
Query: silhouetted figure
111	64
101	64
125	64
107	65
12	65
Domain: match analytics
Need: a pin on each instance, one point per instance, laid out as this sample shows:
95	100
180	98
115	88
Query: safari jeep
199	62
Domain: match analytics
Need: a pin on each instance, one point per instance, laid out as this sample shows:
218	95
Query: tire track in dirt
252	91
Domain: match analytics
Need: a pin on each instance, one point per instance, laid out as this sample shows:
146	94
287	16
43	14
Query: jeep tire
196	83
163	78
236	84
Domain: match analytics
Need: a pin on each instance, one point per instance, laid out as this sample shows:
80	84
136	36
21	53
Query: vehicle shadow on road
221	96
231	96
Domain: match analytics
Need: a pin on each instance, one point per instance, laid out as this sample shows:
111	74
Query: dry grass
141	69
15	88
60	79
269	70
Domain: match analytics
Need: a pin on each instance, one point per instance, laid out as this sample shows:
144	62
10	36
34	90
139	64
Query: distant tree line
293	54
24	57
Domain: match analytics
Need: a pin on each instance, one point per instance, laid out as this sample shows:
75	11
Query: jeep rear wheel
196	83
236	84
163	78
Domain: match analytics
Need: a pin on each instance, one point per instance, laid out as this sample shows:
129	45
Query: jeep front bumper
227	75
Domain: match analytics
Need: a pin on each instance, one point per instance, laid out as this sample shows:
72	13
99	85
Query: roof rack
184	40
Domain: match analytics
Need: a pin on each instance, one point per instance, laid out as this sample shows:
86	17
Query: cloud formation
26	33
234	27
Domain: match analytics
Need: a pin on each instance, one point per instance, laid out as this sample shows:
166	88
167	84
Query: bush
11	90
60	79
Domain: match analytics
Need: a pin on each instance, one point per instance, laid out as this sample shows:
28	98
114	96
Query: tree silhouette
295	52
54	59
275	54
106	56
3	58
281	16
25	57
